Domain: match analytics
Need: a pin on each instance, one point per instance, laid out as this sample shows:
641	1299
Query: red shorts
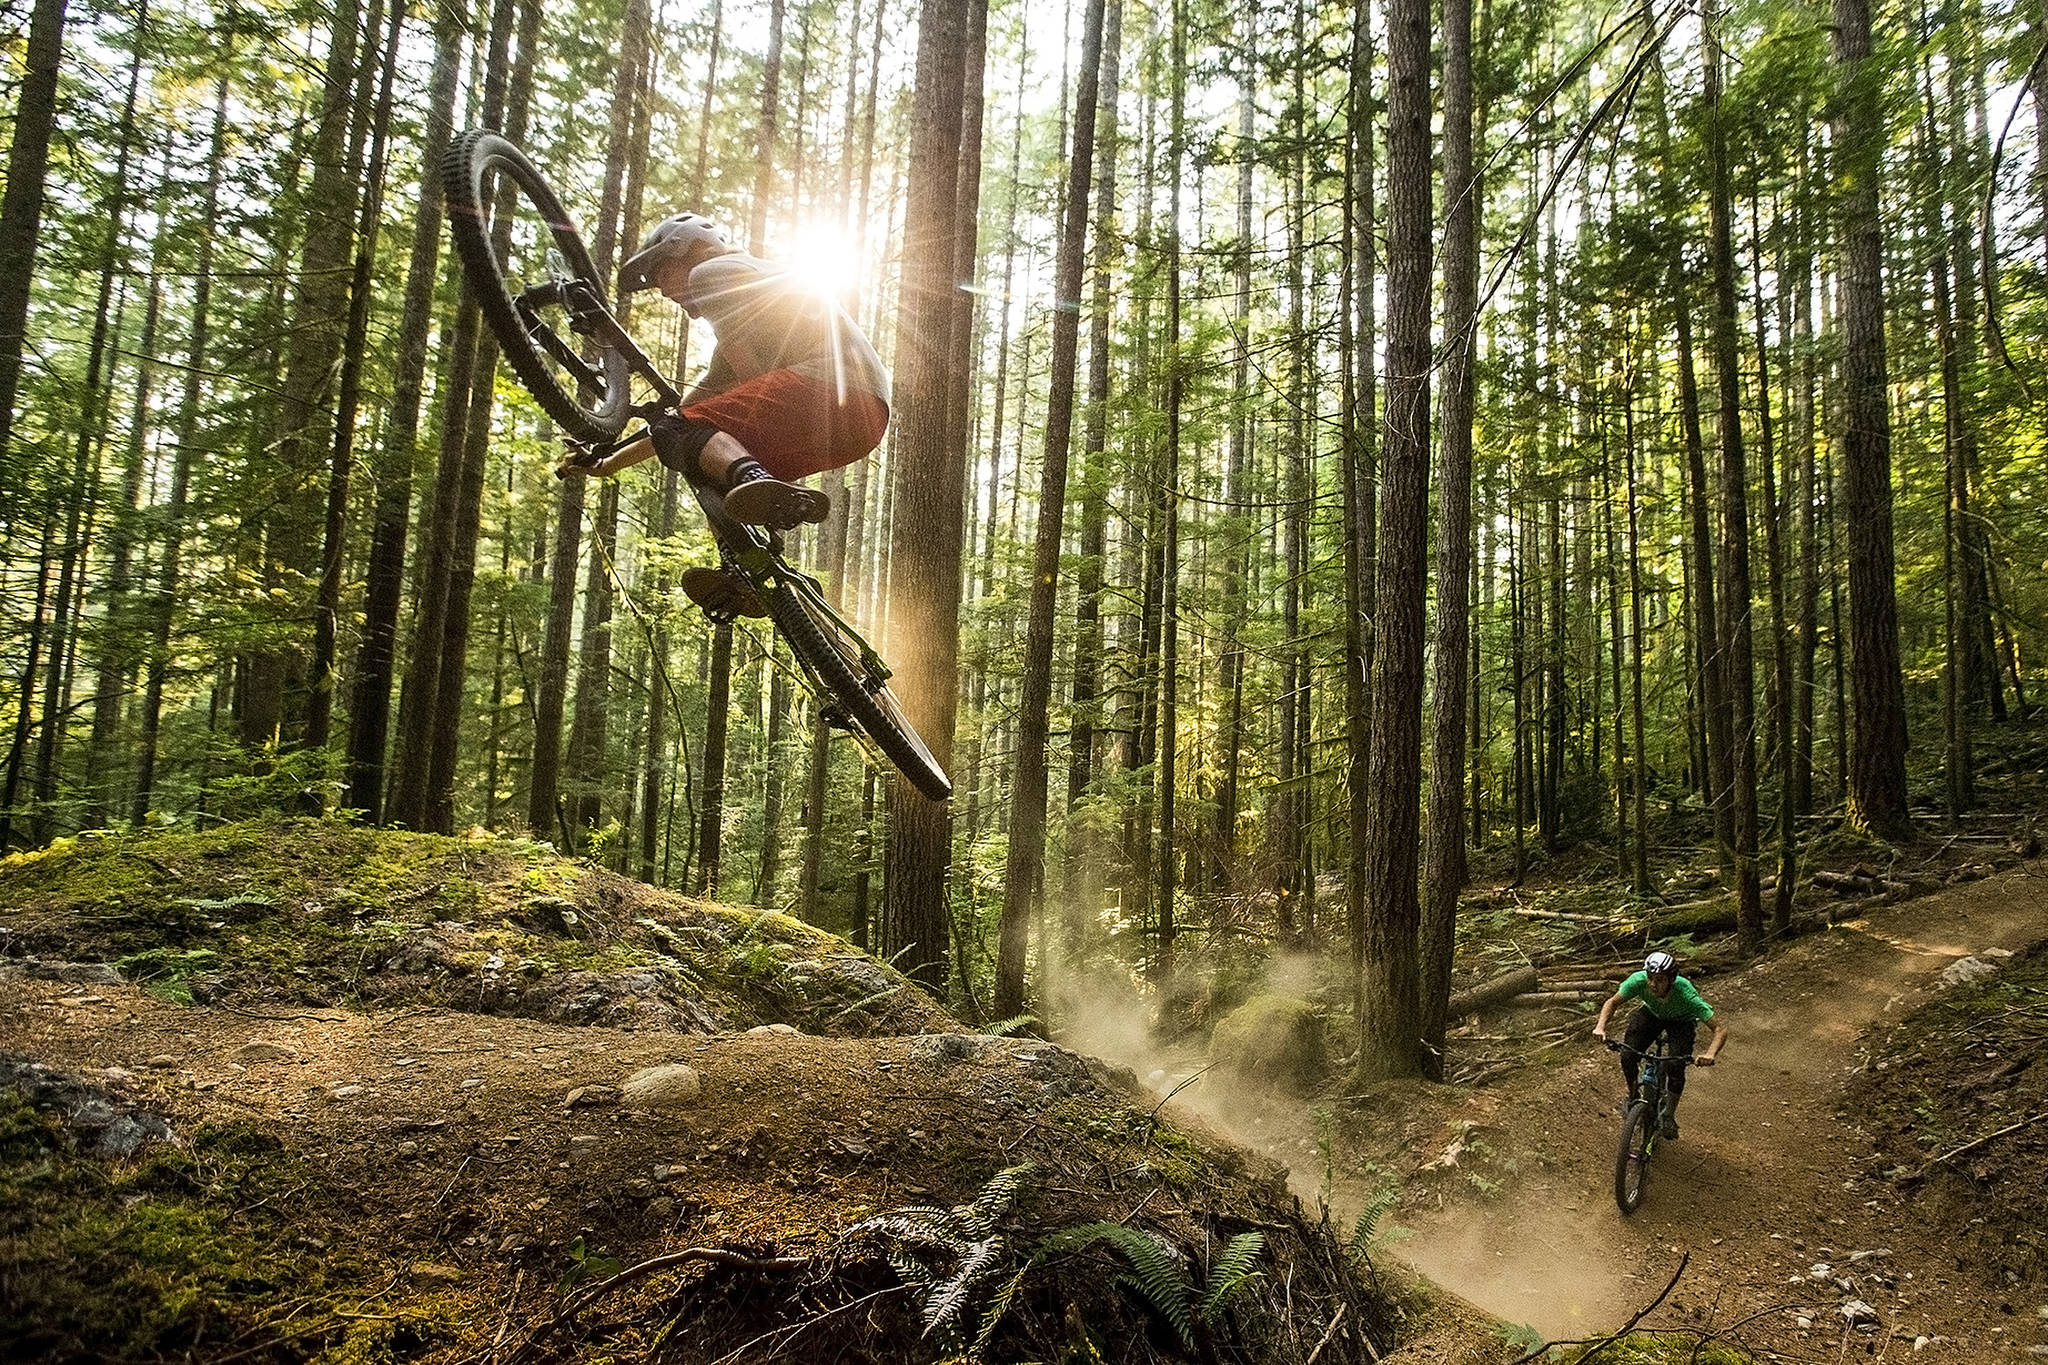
794	425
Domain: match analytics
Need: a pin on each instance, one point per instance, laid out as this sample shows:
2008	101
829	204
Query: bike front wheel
838	660
536	284
1632	1158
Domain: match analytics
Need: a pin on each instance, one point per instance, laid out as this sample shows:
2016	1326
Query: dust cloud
1114	1016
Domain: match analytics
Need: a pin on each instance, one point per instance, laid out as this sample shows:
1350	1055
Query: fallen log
1570	917
1533	999
1503	987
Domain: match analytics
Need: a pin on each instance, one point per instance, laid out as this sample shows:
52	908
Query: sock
745	470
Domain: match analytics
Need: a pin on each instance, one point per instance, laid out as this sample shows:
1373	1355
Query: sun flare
823	259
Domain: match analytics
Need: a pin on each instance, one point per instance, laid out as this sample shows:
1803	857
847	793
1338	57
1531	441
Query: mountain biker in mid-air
793	389
1670	1006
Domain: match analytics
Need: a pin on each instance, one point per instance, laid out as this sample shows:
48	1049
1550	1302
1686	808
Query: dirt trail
1770	1177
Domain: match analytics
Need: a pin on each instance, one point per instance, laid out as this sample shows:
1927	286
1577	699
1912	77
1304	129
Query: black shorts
1643	1030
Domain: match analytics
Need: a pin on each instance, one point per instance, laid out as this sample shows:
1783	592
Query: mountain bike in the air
544	300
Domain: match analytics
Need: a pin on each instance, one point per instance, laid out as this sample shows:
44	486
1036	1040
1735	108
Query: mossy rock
330	914
1276	1040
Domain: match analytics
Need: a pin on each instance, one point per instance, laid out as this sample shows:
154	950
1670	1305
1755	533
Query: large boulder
1273	1040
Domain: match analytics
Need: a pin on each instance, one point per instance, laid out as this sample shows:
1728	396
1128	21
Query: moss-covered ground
326	913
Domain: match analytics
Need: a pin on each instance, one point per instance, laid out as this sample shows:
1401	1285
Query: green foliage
1366	1236
948	1255
281	782
328	912
166	973
951	1256
1229	1273
586	1266
1273	1040
182	1244
1156	1275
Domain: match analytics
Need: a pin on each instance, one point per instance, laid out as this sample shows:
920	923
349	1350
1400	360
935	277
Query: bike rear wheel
836	659
535	281
1632	1158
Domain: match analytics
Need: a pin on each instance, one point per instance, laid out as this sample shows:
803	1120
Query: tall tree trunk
1443	849
117	660
413	788
21	216
1641	872
1231	661
166	588
111	672
1781	639
327	604
24	704
1737	639
1877	765
711	819
1806	611
1958	693
370	706
315	335
1025	865
1169	519
765	133
1084	856
451	677
1361	392
1389	1037
928	480
775	764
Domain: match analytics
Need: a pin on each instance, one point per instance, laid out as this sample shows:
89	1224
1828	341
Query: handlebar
1661	1057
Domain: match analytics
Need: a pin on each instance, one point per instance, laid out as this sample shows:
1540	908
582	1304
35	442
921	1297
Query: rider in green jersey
1670	1005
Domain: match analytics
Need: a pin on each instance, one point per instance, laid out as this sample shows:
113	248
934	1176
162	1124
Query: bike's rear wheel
1632	1158
835	658
535	281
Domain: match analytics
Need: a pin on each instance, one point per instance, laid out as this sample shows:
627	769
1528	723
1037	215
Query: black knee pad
678	441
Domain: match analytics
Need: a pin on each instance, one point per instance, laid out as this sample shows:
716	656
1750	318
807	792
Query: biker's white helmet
1660	964
686	237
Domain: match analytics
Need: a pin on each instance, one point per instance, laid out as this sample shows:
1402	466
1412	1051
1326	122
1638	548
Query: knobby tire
1632	1157
466	176
814	637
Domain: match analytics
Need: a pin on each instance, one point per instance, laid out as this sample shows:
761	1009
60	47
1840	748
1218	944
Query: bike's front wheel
535	281
1632	1158
840	663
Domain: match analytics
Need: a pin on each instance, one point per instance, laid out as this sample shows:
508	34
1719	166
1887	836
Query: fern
921	1226
949	1299
1365	1235
920	1239
1231	1272
996	1197
1005	1028
909	1269
1156	1275
999	1305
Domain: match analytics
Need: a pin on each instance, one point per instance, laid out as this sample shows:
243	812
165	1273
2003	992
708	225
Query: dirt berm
301	1091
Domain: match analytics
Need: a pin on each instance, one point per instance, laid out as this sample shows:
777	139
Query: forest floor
299	1091
1807	1199
303	1092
